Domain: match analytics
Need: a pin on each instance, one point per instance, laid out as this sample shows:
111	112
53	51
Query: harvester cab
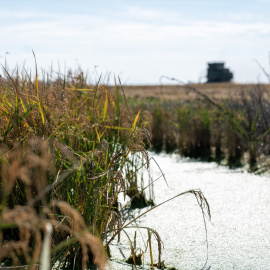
218	73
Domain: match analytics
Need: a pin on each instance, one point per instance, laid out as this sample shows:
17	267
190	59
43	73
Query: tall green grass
66	147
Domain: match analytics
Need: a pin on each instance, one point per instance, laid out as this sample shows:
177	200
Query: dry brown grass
23	226
219	91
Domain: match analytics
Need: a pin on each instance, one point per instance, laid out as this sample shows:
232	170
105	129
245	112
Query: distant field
172	92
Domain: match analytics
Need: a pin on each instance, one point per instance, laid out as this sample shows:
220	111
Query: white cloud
138	46
152	15
244	16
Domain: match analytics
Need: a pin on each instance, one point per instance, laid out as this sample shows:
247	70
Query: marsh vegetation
69	147
232	129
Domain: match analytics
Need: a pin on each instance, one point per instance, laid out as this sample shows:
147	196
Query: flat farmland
217	91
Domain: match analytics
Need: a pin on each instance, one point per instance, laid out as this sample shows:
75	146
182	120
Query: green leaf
20	119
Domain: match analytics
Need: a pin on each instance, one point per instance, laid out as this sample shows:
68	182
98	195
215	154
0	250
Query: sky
138	40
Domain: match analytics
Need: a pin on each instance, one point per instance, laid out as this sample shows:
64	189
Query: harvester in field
218	73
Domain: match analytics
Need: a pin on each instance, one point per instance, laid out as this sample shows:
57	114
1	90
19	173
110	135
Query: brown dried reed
23	176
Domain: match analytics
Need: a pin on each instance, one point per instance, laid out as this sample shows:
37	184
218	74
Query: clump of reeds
235	131
194	124
27	210
66	146
164	132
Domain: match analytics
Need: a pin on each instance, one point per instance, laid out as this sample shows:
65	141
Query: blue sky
139	40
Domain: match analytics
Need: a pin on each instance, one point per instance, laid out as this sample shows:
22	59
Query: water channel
238	235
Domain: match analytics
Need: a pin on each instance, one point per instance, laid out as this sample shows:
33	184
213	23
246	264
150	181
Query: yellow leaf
97	133
135	121
25	110
119	128
105	106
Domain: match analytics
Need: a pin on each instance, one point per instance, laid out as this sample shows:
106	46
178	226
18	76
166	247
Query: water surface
239	231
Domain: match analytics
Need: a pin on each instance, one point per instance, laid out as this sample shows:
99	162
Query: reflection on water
239	232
